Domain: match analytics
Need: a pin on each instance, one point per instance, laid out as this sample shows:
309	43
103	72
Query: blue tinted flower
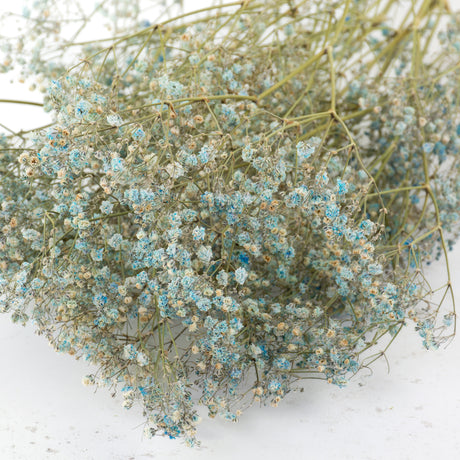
274	386
138	135
129	352
106	207
100	300
240	275
82	109
222	278
117	164
282	363
198	233
115	241
204	253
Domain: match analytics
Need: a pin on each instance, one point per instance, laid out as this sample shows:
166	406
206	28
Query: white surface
411	413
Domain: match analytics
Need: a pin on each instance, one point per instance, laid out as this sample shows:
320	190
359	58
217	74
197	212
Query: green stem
13	101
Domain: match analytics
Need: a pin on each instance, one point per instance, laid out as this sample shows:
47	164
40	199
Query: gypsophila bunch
233	200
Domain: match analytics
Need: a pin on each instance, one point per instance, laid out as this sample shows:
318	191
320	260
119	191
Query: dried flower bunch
235	199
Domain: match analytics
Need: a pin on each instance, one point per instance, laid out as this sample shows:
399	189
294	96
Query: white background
413	412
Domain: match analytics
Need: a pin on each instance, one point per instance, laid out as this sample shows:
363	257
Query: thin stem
13	101
331	64
295	72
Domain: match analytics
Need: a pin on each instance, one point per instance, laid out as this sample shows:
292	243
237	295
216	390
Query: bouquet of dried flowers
234	199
